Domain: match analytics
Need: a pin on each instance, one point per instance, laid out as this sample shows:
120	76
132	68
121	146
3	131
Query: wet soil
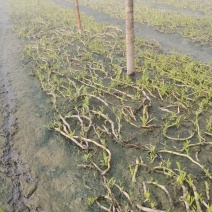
169	42
184	11
170	8
38	169
11	163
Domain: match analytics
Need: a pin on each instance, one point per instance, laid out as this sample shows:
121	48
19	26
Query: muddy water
38	169
169	42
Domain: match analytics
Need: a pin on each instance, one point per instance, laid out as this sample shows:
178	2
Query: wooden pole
130	37
78	16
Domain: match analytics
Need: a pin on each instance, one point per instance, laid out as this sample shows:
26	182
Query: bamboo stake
78	17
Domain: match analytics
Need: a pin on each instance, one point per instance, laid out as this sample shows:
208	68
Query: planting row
198	29
204	6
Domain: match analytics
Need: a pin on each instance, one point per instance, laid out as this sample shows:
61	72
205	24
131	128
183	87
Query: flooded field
78	134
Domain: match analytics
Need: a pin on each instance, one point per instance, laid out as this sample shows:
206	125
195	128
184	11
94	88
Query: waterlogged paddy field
144	143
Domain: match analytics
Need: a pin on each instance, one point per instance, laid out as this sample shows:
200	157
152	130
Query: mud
38	168
13	166
169	42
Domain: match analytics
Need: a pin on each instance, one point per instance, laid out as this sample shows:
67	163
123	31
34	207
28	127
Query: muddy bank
169	42
11	164
38	168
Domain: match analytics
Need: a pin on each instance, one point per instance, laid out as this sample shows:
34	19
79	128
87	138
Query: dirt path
11	162
38	169
169	42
